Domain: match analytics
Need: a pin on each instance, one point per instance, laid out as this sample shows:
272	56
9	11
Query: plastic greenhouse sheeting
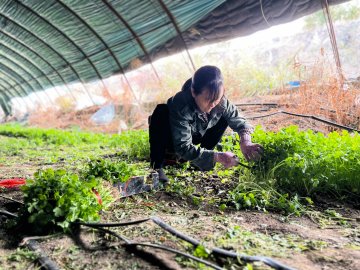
53	42
105	115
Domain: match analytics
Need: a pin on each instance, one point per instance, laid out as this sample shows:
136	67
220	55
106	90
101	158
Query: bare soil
301	242
341	244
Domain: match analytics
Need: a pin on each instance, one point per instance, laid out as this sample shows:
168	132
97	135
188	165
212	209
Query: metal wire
10	199
131	243
306	116
7	213
215	251
176	252
118	224
43	259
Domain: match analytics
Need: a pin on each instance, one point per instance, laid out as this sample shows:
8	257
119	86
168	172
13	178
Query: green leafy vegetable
112	171
57	198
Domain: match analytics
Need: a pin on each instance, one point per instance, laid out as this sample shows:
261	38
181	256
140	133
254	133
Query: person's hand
251	151
227	159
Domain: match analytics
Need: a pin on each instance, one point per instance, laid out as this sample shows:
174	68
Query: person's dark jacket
187	121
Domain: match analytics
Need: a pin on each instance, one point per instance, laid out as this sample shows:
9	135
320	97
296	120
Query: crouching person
192	123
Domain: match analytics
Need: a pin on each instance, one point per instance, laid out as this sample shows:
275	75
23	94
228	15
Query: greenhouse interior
167	134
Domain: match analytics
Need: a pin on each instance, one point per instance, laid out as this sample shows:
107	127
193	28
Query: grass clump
114	172
132	144
310	163
263	195
55	198
297	166
254	243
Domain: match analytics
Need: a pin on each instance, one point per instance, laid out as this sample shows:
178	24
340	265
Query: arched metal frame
2	81
135	36
54	70
99	38
52	49
10	73
5	103
173	21
120	67
33	65
80	65
67	38
29	74
94	33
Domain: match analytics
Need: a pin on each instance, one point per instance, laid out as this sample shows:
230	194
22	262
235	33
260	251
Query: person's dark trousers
159	136
161	140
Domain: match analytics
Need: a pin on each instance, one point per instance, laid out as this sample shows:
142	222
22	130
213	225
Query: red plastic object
13	182
97	196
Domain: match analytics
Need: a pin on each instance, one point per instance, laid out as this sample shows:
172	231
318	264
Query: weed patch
111	171
132	144
55	198
296	167
255	242
311	163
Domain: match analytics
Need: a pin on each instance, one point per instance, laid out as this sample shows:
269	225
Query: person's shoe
162	177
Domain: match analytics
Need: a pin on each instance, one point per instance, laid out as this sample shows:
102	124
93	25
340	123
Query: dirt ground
311	241
299	242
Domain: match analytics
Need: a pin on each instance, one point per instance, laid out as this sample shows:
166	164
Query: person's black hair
210	78
187	85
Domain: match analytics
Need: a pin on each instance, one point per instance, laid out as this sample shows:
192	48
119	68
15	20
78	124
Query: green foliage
180	187
23	253
338	13
296	165
201	252
248	267
252	77
261	193
134	144
327	218
269	244
112	171
57	198
311	163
